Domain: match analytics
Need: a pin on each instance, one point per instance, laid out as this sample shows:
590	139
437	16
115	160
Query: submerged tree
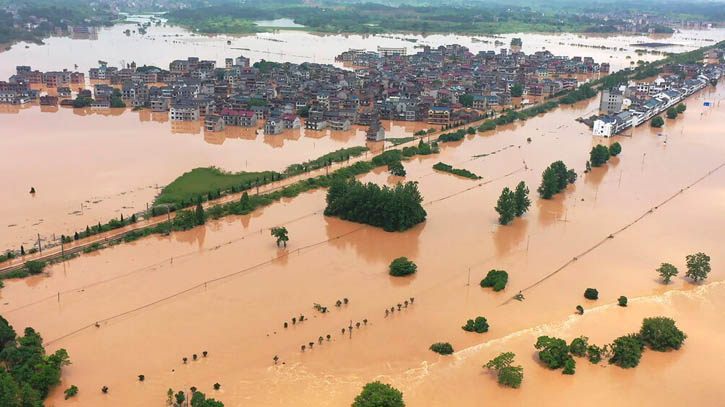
506	207
280	232
698	266
521	197
508	375
661	334
667	271
627	350
402	267
479	325
599	155
496	279
377	394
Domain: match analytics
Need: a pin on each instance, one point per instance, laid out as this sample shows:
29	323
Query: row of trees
512	204
600	154
394	209
673	111
698	268
658	333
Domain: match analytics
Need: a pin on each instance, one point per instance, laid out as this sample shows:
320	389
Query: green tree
591	294
377	394
9	391
594	354
480	325
34	266
506	206
555	179
671	112
521	198
698	266
578	346
657	122
199	215
661	334
402	267
517	90
569	366
553	352
7	333
496	279
280	232
180	397
71	391
397	169
443	348
627	351
466	100
599	155
681	108
508	375
615	149
667	271
622	301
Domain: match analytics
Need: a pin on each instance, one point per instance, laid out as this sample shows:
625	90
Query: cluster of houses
633	104
443	85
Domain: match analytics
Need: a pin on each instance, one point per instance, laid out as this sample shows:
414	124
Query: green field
199	182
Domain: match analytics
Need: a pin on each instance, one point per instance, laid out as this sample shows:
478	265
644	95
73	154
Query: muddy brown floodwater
98	165
139	308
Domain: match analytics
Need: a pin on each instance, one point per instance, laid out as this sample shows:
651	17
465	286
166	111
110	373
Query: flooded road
226	288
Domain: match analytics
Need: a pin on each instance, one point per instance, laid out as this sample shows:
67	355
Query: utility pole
468	283
40	248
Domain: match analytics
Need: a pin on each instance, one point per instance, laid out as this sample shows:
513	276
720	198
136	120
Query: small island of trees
555	178
402	267
393	209
496	279
443	348
27	373
480	325
377	394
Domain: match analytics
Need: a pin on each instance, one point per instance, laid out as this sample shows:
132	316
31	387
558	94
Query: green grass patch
196	184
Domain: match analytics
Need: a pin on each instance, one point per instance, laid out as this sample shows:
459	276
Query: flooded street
225	287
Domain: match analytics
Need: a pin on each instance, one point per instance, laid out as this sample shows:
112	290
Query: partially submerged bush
553	352
591	294
480	325
444	348
661	334
627	350
402	267
496	279
508	375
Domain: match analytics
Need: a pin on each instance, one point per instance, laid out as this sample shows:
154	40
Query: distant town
440	86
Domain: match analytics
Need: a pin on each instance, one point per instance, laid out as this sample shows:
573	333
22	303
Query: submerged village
439	86
332	264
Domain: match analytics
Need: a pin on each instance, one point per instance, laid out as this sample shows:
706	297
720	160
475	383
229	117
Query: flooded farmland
225	288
